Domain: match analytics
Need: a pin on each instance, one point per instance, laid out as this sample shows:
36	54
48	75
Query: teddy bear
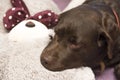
33	7
23	42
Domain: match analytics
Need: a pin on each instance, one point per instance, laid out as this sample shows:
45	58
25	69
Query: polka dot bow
20	12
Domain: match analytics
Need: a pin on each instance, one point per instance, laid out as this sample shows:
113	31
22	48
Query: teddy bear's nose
30	24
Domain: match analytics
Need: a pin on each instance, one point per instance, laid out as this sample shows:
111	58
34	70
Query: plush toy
19	12
34	7
26	27
24	41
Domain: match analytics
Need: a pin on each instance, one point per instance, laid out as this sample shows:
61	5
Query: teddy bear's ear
13	17
47	17
20	4
16	14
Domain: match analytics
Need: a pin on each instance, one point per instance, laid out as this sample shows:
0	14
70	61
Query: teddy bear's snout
30	24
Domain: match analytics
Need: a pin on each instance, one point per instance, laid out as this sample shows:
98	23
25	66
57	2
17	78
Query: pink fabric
108	74
62	3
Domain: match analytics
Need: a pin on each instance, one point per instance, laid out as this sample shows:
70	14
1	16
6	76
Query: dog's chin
54	68
57	67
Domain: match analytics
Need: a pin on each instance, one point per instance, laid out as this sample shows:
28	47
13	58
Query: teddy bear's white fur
20	59
22	33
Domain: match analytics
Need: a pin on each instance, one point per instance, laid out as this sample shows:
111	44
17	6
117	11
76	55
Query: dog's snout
30	24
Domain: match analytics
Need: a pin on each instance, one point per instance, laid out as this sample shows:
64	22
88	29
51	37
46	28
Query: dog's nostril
30	24
45	61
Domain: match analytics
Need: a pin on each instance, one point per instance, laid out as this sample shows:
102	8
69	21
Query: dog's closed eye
73	43
72	40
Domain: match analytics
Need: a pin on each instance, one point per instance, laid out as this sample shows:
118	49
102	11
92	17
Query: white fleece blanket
21	61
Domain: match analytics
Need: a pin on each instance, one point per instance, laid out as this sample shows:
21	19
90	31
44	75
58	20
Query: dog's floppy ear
104	39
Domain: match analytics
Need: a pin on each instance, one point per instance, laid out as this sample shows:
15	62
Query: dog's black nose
46	61
30	24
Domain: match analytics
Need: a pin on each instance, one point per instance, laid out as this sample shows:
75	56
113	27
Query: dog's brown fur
87	35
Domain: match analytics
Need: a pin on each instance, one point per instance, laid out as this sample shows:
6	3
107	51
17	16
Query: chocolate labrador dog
88	35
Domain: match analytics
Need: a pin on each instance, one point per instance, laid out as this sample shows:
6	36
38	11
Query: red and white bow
20	12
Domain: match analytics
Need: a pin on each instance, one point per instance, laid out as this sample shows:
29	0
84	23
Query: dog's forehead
77	26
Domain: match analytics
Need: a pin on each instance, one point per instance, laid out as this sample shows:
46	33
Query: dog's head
81	39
